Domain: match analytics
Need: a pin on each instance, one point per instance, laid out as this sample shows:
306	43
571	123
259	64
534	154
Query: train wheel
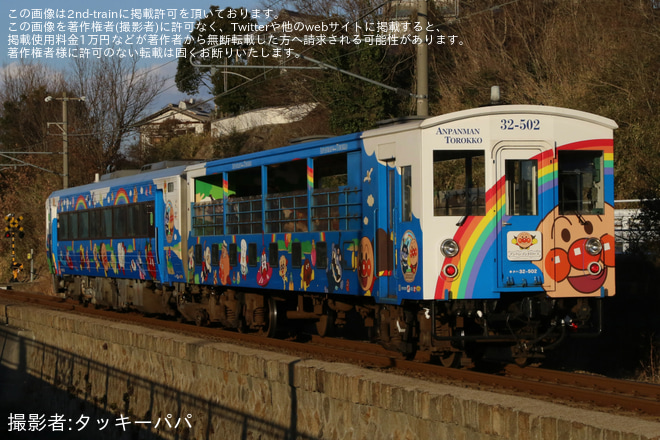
269	329
449	359
326	323
201	318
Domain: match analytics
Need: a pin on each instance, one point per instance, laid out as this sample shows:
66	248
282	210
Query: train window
335	206
95	223
215	254
296	254
406	194
330	171
73	226
580	182
133	221
286	203
63	227
244	203
208	209
150	208
321	255
119	221
233	254
273	249
208	218
521	187
459	178
252	254
83	225
106	223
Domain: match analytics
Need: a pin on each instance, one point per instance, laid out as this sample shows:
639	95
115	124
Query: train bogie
486	227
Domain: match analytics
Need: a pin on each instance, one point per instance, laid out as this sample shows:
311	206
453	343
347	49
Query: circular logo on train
409	256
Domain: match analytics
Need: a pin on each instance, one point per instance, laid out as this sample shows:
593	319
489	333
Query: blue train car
490	227
107	239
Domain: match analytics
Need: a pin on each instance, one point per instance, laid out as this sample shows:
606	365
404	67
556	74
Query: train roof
520	109
291	152
121	181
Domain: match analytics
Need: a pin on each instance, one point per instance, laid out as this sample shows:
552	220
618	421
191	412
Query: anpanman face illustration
365	264
524	240
568	258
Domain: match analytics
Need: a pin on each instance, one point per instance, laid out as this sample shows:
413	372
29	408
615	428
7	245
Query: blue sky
18	25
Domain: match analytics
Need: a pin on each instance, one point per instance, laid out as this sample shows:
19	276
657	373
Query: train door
52	247
156	219
385	232
520	210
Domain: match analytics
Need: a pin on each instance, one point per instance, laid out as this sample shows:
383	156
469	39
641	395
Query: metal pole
65	134
65	143
422	61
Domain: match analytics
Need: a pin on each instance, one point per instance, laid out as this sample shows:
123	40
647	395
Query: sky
34	29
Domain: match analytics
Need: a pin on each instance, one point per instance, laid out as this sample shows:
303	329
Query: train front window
521	187
459	178
580	182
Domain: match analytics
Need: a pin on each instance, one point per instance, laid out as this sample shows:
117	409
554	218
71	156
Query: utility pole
64	126
422	60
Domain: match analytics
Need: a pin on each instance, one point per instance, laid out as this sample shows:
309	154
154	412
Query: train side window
244	204
321	255
336	199
580	182
63	227
208	209
459	178
521	187
106	230
95	223
83	225
233	254
215	254
73	226
273	250
296	254
149	209
119	221
199	255
286	203
252	254
133	221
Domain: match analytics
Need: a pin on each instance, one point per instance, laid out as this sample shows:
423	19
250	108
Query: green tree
353	104
216	41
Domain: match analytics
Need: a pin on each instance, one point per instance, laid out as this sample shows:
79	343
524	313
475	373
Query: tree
211	44
24	113
117	93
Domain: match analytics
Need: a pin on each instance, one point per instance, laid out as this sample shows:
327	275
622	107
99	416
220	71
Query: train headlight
593	246
449	248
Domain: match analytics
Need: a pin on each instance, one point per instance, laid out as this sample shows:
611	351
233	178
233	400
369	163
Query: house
173	120
260	118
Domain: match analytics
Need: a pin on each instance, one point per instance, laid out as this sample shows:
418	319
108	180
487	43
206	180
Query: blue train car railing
336	209
287	212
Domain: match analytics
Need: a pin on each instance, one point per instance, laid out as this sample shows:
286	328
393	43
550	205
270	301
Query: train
487	231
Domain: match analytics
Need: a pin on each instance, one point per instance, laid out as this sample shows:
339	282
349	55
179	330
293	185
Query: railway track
594	392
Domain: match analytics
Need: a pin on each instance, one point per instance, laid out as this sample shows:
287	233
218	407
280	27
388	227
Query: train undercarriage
518	328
